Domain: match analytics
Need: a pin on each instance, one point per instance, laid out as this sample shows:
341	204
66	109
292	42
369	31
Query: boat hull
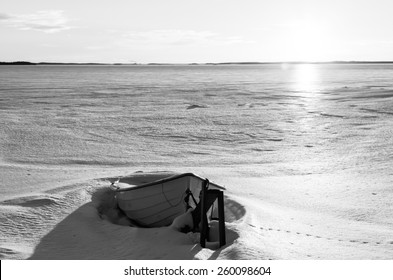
158	203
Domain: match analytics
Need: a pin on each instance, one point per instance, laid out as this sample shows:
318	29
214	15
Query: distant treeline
17	63
218	63
48	63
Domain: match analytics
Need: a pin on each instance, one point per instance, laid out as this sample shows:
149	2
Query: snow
307	170
265	219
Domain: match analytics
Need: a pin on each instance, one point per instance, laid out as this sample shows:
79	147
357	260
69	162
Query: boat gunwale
167	179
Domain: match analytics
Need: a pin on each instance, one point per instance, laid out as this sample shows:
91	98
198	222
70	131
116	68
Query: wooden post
221	218
207	199
204	224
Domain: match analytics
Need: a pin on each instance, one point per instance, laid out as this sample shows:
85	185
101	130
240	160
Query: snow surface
79	221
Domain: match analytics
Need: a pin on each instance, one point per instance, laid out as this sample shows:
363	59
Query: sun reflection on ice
306	78
305	88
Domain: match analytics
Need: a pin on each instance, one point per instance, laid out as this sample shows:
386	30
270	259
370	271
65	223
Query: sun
308	41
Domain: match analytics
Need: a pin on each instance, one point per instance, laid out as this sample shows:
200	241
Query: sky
195	31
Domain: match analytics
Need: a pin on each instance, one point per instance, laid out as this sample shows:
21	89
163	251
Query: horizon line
22	62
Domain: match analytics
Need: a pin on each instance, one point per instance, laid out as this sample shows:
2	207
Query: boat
159	202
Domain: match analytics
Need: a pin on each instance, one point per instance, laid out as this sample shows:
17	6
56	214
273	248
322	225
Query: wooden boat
158	203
